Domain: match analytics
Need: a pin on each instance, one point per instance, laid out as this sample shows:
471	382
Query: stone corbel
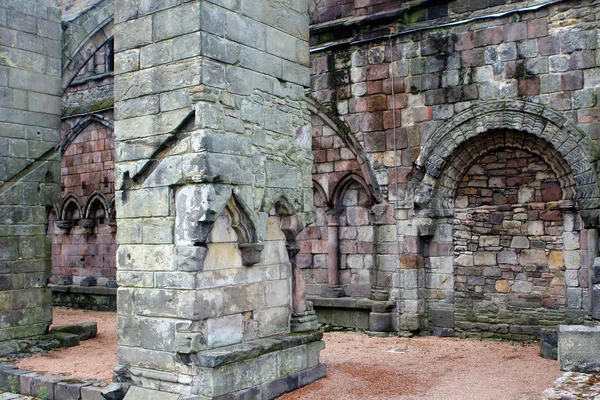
251	253
112	224
426	227
64	225
88	226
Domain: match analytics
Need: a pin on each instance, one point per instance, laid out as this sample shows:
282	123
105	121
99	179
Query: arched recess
343	185
579	152
344	132
71	208
80	127
95	201
83	36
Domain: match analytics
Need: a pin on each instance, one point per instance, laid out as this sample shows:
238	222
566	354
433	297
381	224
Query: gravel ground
358	366
94	358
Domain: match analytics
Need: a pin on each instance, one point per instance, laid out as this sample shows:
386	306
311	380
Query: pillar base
304	322
333	292
259	369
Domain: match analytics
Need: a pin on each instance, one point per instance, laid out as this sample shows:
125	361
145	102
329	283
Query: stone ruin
453	188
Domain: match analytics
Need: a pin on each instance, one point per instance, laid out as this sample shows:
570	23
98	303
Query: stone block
579	348
67	339
481	258
85	330
549	344
69	390
223	331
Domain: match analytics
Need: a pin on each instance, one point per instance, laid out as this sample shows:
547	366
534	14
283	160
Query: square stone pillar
30	111
213	181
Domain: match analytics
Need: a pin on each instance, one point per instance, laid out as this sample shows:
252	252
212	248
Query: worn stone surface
226	164
29	170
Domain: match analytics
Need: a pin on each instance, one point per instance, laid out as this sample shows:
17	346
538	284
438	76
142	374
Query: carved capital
88	226
64	225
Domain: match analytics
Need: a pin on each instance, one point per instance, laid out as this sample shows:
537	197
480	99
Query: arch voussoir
537	129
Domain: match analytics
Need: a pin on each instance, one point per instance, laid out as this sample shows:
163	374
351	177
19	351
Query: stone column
333	288
409	281
213	180
30	109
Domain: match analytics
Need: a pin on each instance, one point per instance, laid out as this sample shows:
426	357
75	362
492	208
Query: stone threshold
28	383
355	303
252	349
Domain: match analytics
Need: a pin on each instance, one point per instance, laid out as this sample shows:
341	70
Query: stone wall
495	66
212	140
83	226
509	243
29	168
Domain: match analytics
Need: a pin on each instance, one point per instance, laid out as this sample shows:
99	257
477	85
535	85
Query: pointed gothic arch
343	131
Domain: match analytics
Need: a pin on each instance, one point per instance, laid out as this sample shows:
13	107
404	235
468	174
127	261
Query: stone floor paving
574	386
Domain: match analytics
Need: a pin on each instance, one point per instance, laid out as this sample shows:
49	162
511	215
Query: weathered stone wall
29	169
509	244
213	181
83	226
440	74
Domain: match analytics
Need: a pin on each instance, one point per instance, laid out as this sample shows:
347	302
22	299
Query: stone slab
579	348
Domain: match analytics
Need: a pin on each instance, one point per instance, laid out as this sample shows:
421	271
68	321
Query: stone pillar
333	288
214	181
383	222
409	283
30	111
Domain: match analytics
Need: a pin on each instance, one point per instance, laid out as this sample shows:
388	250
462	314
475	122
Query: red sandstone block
377	103
388	119
472	58
320	155
537	28
422	114
375	87
401	141
405	174
529	86
377	71
357	104
349	165
333	155
464	41
398	86
572	80
375	141
488	36
397	102
371	121
550	215
514	32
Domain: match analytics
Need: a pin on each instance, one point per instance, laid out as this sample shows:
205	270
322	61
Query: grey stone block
85	330
549	344
91	393
68	391
67	339
579	348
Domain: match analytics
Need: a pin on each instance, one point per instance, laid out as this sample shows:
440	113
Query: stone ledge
252	349
76	289
358	303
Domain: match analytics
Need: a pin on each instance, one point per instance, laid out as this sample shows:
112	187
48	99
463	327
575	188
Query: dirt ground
94	358
358	366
